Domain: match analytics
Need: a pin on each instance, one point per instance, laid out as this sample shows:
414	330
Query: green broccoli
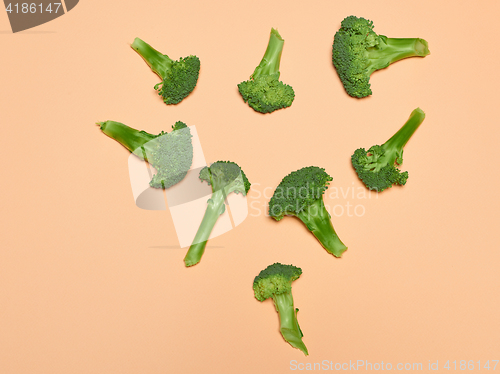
358	51
275	281
179	78
225	177
376	168
300	194
264	92
171	154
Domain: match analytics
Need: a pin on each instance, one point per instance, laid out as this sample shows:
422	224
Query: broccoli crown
358	51
298	190
225	175
274	280
179	80
266	93
376	168
350	56
171	155
179	77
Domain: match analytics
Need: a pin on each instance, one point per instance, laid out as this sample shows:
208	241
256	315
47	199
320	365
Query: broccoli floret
171	154
179	78
264	92
275	282
358	51
376	167
300	194
224	177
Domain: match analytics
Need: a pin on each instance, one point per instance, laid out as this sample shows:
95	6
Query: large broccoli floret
377	166
275	282
358	51
224	177
171	154
300	194
179	78
264	92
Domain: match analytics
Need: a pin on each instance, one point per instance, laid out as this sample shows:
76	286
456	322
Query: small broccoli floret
224	177
171	154
264	92
358	51
377	166
179	78
275	282
300	194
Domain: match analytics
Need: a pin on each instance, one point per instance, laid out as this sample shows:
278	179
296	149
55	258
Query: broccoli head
358	51
377	166
179	78
171	154
300	194
264	92
224	177
275	282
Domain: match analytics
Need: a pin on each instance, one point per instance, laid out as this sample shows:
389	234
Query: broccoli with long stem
264	92
358	51
300	194
275	282
224	177
179	78
377	166
171	154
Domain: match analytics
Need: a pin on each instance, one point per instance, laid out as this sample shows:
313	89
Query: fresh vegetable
377	167
264	92
300	194
275	282
224	177
171	154
179	77
358	51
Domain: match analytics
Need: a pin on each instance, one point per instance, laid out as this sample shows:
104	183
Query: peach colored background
91	284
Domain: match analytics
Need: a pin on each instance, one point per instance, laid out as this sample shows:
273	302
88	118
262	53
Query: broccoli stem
214	209
157	61
270	63
130	138
317	220
399	139
394	49
289	326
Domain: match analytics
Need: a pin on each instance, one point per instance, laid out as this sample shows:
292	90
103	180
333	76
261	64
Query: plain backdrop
89	283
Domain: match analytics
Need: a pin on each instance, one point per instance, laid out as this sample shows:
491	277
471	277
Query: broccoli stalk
377	166
317	220
300	194
179	78
224	177
358	51
171	154
270	63
264	92
276	282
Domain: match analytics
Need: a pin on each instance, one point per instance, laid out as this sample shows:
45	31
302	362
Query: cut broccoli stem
289	326
157	61
270	63
130	138
399	139
214	209
317	220
391	50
